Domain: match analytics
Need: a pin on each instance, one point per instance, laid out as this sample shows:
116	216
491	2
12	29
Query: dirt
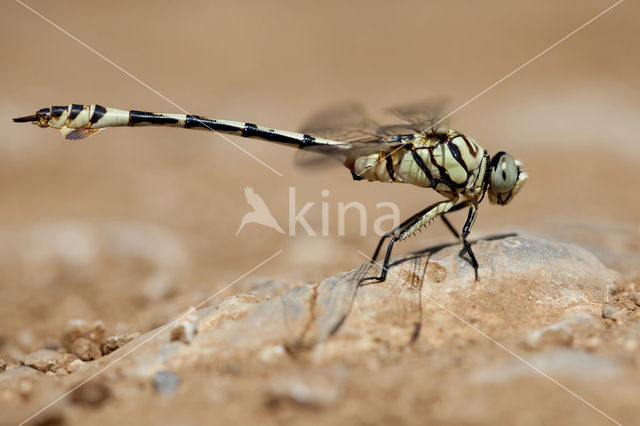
104	243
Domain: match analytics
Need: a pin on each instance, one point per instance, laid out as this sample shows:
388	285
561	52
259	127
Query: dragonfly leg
453	209
397	230
471	218
410	226
451	228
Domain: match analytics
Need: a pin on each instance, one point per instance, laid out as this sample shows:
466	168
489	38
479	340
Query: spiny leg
413	218
471	218
396	230
410	226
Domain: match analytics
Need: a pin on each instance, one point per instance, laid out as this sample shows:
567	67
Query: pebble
320	392
549	336
77	328
46	360
611	312
74	365
112	343
636	298
185	330
3	366
165	381
85	349
91	394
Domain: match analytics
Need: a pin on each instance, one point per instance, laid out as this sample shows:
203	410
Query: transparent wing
313	159
348	123
424	116
321	155
362	135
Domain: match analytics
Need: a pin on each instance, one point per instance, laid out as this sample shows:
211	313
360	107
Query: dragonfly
421	150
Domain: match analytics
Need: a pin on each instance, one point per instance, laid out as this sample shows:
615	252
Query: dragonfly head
41	118
505	178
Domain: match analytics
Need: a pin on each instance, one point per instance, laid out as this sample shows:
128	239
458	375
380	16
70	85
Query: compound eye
504	175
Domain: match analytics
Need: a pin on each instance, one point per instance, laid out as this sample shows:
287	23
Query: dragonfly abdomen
76	121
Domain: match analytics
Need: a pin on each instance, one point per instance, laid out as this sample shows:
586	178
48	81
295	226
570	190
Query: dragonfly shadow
429	251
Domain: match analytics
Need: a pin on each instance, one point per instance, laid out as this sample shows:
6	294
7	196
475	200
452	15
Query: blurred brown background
571	116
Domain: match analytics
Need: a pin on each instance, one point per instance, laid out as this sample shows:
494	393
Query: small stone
549	336
184	331
311	390
74	365
112	343
610	312
85	349
91	394
3	366
636	298
165	381
46	360
77	328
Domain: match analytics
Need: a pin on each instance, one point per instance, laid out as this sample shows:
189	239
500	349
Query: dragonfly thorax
447	161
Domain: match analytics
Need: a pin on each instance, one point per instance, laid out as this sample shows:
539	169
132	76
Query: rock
562	333
74	365
423	296
3	366
46	360
113	343
636	298
77	328
268	289
555	363
165	381
185	330
611	312
614	243
85	349
84	339
557	335
425	339
91	394
313	389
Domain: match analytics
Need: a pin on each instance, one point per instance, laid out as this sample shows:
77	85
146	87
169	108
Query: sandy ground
136	225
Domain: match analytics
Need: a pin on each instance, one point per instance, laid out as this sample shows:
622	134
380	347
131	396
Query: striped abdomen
78	121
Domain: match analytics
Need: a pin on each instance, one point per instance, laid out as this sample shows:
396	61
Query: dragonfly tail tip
26	119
